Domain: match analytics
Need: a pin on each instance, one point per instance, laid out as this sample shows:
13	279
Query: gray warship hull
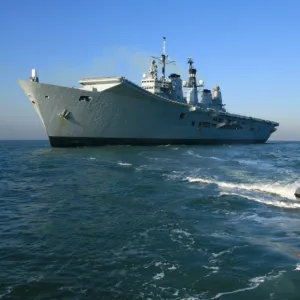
123	113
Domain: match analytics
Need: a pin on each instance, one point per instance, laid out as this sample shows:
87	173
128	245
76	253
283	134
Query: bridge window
193	123
182	116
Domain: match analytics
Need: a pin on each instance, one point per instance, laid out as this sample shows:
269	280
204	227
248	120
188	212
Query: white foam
221	253
215	269
8	291
297	267
205	157
283	189
254	283
258	279
236	291
277	203
173	176
257	163
180	231
261	279
124	164
284	221
172	268
141	168
159	276
182	237
215	158
229	251
210	157
35	278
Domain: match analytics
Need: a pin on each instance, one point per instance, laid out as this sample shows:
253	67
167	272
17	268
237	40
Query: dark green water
149	222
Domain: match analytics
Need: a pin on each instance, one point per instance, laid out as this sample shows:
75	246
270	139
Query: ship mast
163	59
192	73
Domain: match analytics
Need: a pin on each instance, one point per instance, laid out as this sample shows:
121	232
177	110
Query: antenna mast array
164	59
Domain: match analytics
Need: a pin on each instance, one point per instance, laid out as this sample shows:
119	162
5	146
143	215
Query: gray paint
127	111
115	110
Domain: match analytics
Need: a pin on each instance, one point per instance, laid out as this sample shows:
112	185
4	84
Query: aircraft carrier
116	111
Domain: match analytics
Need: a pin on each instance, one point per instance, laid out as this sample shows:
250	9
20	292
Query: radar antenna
164	59
192	73
190	62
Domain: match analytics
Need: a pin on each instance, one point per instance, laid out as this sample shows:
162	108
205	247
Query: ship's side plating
113	110
127	114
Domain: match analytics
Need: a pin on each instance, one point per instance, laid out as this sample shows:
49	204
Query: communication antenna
190	62
164	58
192	73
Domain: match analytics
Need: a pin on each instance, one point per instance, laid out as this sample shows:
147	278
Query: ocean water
167	222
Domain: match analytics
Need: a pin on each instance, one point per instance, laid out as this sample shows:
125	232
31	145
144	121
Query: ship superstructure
114	110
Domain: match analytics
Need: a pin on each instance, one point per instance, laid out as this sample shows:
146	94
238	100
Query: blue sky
250	48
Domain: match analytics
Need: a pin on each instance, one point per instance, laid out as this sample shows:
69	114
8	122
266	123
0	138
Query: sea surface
166	222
